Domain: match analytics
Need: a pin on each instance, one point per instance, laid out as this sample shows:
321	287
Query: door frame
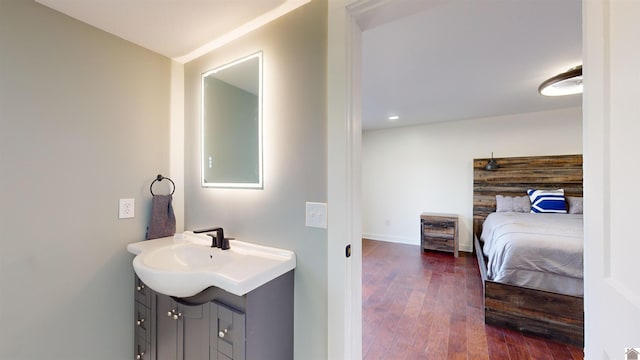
344	145
344	282
344	176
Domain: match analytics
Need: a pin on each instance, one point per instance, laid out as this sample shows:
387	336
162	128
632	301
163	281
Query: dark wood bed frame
546	314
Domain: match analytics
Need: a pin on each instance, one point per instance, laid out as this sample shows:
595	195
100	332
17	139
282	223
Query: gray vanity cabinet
223	326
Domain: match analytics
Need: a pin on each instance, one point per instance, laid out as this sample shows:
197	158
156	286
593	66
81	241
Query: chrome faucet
218	240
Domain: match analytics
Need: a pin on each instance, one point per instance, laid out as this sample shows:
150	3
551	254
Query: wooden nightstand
439	232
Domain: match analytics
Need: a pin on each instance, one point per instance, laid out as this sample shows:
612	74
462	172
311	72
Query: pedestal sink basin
186	264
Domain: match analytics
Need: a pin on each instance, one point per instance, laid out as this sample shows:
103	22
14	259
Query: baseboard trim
393	239
408	241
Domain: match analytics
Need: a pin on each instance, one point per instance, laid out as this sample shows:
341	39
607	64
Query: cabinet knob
222	333
140	322
140	355
174	314
140	287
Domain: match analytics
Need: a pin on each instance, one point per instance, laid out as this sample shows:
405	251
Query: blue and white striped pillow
547	201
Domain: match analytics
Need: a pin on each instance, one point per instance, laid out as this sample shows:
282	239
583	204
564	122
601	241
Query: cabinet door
193	332
182	331
166	339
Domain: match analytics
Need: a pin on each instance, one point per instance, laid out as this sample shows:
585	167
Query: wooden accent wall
518	174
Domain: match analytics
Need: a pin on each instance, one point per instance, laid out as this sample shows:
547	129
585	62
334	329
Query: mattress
538	251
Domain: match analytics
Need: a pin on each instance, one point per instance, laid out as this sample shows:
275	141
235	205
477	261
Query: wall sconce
492	165
566	83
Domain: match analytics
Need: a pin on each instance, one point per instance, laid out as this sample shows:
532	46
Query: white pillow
575	204
513	204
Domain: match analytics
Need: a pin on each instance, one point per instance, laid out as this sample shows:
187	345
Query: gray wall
295	150
84	121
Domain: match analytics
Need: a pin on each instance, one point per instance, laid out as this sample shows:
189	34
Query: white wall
406	171
84	121
295	160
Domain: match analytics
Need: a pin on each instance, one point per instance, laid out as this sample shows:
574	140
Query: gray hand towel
163	220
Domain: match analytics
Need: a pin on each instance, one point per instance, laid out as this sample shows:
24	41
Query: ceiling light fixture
394	117
566	83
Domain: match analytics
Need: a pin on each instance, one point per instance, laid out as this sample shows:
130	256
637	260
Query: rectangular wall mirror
231	124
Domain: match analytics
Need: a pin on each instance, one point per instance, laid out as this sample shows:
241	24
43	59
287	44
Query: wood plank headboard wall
518	174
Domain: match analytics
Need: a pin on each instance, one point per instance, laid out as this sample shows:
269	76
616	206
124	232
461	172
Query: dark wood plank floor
428	305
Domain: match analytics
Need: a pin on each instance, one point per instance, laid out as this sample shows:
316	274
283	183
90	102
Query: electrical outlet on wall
126	209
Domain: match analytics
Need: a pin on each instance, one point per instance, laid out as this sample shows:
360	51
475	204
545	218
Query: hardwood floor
428	305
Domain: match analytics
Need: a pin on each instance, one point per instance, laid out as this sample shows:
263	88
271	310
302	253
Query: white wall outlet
127	208
316	215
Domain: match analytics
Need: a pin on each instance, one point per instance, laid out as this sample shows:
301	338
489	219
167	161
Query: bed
536	286
538	251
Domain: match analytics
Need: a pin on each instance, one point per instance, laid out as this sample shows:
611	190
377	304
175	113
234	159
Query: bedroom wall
410	170
295	159
84	121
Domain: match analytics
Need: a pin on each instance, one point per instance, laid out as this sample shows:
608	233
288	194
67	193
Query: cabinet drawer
438	235
143	293
225	348
443	228
143	321
142	349
229	325
439	244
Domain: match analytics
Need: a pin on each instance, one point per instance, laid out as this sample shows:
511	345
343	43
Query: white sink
186	264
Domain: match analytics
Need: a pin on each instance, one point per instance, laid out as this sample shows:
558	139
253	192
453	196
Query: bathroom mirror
231	124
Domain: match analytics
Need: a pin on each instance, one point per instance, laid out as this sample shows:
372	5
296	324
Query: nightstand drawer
444	229
438	244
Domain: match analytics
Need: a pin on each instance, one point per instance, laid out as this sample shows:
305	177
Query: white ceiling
442	60
424	60
179	29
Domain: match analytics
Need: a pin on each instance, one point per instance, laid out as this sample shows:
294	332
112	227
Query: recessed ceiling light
394	117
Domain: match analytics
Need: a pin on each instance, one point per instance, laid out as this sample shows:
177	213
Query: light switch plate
316	215
126	209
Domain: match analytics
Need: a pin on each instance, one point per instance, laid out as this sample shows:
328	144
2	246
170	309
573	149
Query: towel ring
160	178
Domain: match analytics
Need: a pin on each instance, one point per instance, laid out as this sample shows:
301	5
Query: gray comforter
539	251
